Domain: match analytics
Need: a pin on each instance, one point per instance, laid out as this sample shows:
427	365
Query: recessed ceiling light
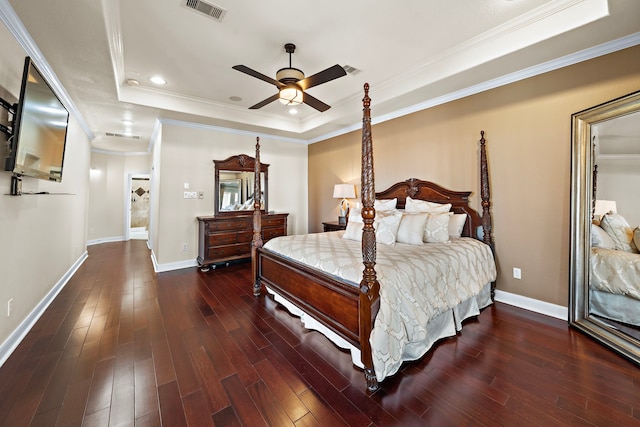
127	122
293	111
235	98
157	80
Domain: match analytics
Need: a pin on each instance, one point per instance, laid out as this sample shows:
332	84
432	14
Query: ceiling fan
291	83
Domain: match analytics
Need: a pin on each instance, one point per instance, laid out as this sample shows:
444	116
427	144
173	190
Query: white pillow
412	228
385	225
619	230
385	204
437	228
353	230
418	206
600	238
456	224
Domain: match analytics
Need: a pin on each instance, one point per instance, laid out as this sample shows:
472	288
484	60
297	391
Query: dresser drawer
228	224
227	251
270	233
217	239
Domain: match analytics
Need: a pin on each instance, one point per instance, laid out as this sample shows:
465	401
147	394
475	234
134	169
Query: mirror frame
582	185
239	163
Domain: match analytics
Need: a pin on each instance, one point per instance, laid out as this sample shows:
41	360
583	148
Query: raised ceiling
413	53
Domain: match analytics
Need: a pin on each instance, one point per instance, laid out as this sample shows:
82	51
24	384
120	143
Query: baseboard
170	266
105	240
537	306
16	337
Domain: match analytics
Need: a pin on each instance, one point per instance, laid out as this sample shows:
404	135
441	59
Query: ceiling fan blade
265	102
324	76
257	75
314	102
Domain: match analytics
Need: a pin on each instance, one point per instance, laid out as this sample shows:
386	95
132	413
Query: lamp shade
605	206
344	191
291	95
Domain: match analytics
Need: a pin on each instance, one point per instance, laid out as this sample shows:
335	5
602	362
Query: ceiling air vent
351	70
122	135
214	12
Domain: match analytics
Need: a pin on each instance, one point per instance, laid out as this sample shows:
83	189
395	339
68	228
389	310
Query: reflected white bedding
615	271
420	286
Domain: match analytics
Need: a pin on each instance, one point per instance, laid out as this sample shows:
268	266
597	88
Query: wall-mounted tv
39	131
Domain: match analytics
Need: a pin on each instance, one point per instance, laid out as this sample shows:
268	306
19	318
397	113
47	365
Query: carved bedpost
485	193
369	287
256	242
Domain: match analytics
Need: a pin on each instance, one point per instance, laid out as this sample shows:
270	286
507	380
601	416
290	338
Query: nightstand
333	226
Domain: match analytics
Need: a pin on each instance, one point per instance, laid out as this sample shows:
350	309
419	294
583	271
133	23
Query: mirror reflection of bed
614	295
236	191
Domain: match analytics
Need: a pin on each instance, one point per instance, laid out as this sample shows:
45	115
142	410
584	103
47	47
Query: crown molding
19	32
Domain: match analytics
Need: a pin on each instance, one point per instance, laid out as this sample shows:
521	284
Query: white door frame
127	203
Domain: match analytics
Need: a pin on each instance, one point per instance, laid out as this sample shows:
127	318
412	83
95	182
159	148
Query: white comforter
616	272
416	284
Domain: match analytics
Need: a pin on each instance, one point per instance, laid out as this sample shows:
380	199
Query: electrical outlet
200	194
9	307
185	247
517	273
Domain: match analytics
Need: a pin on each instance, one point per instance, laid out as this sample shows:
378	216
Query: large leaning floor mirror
605	215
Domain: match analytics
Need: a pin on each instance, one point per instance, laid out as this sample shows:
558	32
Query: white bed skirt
444	325
620	308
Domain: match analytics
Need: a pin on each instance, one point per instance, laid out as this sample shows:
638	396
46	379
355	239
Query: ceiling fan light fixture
291	95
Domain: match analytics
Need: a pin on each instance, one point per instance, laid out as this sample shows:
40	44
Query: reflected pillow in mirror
600	238
619	230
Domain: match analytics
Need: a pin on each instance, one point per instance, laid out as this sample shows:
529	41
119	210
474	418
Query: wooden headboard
426	190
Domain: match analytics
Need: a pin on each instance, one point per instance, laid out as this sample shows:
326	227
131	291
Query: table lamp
344	192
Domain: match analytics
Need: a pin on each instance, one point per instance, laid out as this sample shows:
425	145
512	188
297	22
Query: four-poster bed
352	309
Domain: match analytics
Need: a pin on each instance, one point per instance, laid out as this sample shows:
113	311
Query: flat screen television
40	129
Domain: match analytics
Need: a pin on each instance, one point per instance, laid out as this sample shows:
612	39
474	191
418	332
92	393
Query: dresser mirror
605	213
234	185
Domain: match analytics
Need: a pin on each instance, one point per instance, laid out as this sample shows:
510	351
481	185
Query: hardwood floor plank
216	397
243	405
122	345
171	409
196	410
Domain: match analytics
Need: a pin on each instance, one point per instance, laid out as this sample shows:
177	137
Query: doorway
138	209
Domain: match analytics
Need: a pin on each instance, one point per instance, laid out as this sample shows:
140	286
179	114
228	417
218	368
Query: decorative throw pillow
385	225
385	204
437	228
636	237
412	228
619	230
600	238
418	206
456	224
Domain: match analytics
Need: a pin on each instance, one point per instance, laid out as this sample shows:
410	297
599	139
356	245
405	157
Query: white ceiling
414	53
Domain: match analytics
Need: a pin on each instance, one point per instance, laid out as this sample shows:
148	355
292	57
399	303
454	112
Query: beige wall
109	187
186	156
528	132
619	180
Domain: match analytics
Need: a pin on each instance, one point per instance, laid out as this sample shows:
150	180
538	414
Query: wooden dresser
228	237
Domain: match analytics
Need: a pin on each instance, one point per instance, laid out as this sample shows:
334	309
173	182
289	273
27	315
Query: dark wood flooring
122	346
